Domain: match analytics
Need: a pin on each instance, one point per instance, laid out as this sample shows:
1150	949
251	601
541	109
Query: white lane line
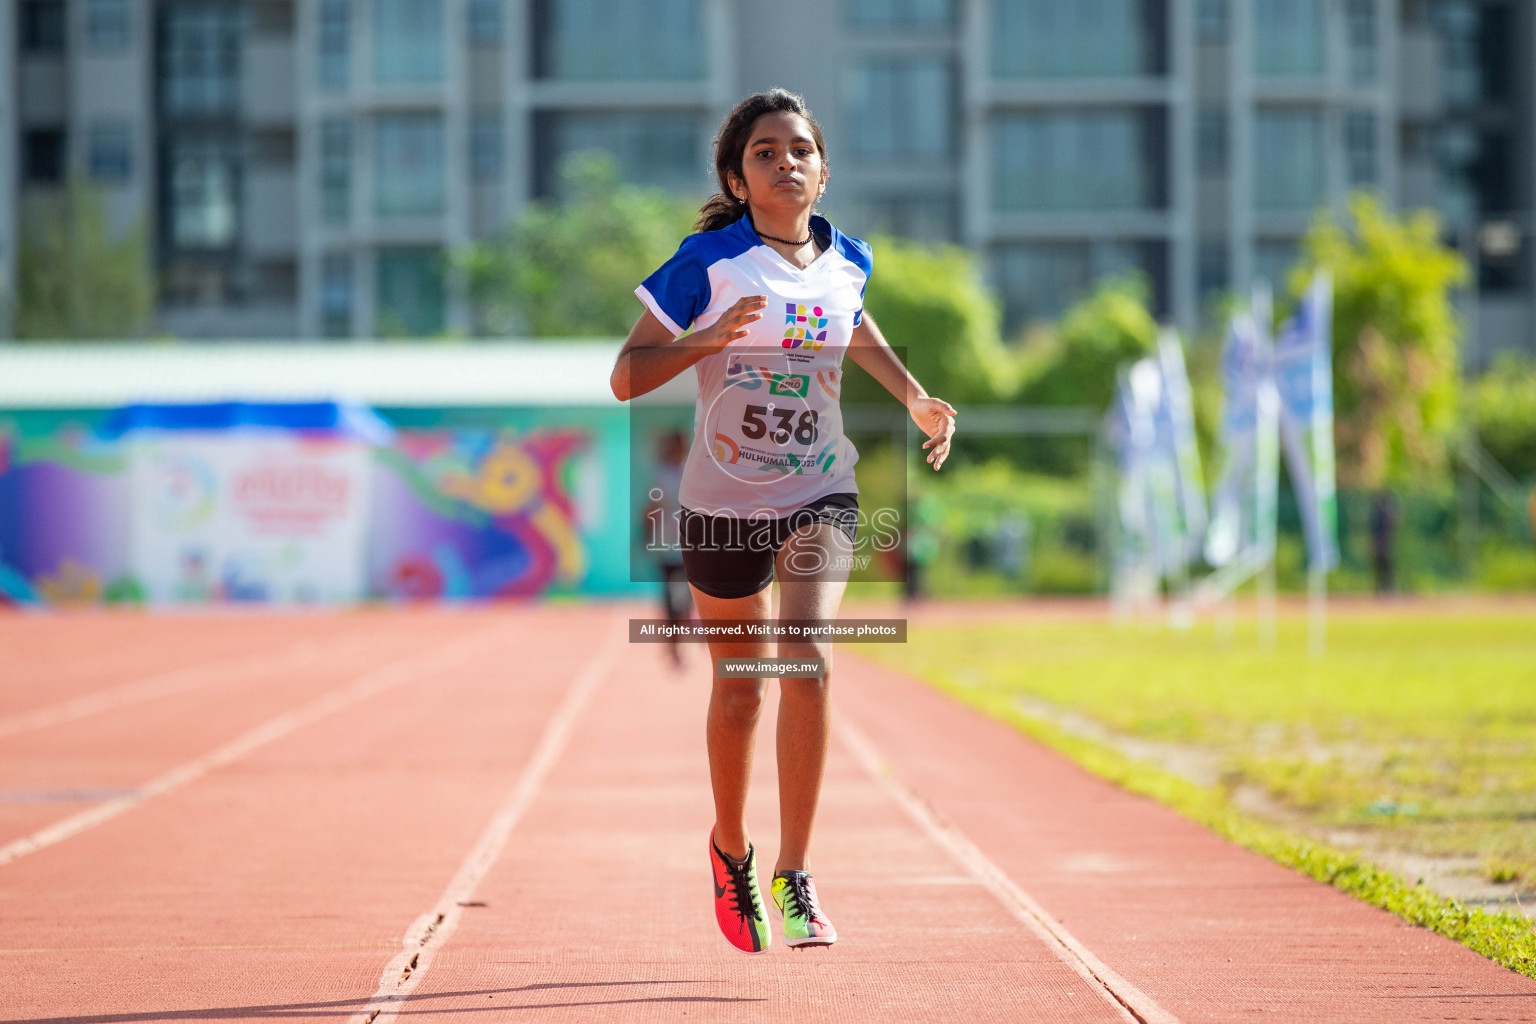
174	681
429	932
369	684
1130	1001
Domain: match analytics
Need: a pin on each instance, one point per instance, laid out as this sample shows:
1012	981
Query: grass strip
1505	937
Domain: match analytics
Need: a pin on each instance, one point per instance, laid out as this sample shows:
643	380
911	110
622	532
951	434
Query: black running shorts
730	557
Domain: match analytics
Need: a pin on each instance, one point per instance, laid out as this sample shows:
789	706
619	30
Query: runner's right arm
651	356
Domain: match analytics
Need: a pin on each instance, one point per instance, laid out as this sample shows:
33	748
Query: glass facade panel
485	147
1211	21
336	296
200	61
1062	38
407	42
1288	38
899	14
107	26
923	217
411	299
1075	160
408	169
1288	159
485	22
1364	52
42	26
1211	269
593	40
1041	280
900	108
1273	260
1211	140
335	43
204	193
110	153
1360	147
650	149
336	170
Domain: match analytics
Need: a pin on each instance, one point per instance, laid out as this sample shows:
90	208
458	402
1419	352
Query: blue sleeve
858	252
679	290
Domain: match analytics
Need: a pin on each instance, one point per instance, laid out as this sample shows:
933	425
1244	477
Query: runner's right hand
733	323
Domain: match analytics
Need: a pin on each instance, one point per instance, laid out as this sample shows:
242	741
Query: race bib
774	421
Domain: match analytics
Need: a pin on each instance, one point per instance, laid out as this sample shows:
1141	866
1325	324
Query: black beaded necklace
786	241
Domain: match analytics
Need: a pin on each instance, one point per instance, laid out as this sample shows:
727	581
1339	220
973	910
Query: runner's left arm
936	417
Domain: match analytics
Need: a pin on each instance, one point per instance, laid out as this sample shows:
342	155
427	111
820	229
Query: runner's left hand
937	418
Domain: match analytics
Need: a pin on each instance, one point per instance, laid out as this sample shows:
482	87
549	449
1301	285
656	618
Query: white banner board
253	515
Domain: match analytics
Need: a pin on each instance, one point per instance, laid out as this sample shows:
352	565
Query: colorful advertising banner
1176	435
1304	377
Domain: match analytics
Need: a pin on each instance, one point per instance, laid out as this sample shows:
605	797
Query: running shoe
739	907
804	923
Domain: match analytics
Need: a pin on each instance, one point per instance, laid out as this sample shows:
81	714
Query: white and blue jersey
768	430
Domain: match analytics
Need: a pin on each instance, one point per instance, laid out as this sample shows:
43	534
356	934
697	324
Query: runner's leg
734	708
812	568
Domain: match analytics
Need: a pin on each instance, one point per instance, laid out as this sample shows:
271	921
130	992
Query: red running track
501	815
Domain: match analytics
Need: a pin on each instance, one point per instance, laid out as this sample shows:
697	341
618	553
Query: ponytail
723	208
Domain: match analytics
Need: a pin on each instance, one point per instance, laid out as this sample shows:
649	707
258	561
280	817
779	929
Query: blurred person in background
660	526
768	488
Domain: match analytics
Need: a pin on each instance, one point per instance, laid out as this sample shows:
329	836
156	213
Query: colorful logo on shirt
804	329
797	385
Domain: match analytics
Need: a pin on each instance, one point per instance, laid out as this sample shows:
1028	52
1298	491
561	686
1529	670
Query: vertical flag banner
1304	378
1242	529
1177	431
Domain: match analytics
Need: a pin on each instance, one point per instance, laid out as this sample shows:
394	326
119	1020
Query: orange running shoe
739	908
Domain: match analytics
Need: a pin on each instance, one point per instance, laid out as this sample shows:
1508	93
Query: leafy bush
1506	413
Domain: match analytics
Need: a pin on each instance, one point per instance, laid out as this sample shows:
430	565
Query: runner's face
783	168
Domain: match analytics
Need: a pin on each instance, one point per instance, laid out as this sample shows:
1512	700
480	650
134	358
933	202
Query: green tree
1506	413
75	277
569	268
934	308
1074	361
1395	338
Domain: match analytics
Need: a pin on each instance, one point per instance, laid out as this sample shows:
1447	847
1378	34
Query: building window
42	27
594	40
900	14
200	61
900	108
410	292
336	296
1212	21
335	43
1273	260
1211	140
1288	159
1364	55
485	143
1459	24
408	169
1211	268
1360	147
110	155
1288	38
923	217
1078	161
42	156
107	26
203	191
336	170
1040	281
662	150
485	22
1081	38
407	42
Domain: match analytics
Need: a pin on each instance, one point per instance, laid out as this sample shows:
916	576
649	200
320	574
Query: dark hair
723	208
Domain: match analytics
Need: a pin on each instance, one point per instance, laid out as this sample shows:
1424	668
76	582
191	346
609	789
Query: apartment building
305	164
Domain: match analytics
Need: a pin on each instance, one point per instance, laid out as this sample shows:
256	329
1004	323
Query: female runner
774	294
